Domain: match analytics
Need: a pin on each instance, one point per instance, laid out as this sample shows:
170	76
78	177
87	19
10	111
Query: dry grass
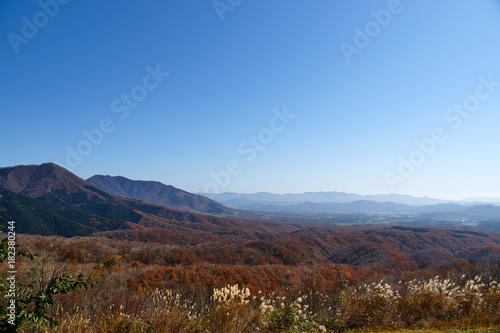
450	302
434	305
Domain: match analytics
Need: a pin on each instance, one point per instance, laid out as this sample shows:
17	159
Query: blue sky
279	96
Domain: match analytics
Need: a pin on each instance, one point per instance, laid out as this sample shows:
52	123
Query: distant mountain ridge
490	200
158	193
436	210
234	200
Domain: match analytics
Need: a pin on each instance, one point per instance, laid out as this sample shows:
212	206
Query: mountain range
244	200
347	203
49	200
237	200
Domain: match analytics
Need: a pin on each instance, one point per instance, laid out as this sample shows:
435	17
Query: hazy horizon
369	98
285	193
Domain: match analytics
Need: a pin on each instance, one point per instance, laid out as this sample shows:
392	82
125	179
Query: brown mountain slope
36	180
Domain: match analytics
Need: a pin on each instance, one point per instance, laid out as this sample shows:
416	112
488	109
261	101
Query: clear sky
284	96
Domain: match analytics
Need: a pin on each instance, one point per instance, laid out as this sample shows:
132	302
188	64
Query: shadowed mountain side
489	253
159	194
492	224
39	217
371	255
433	258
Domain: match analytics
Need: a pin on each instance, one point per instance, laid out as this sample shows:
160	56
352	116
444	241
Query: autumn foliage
317	280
